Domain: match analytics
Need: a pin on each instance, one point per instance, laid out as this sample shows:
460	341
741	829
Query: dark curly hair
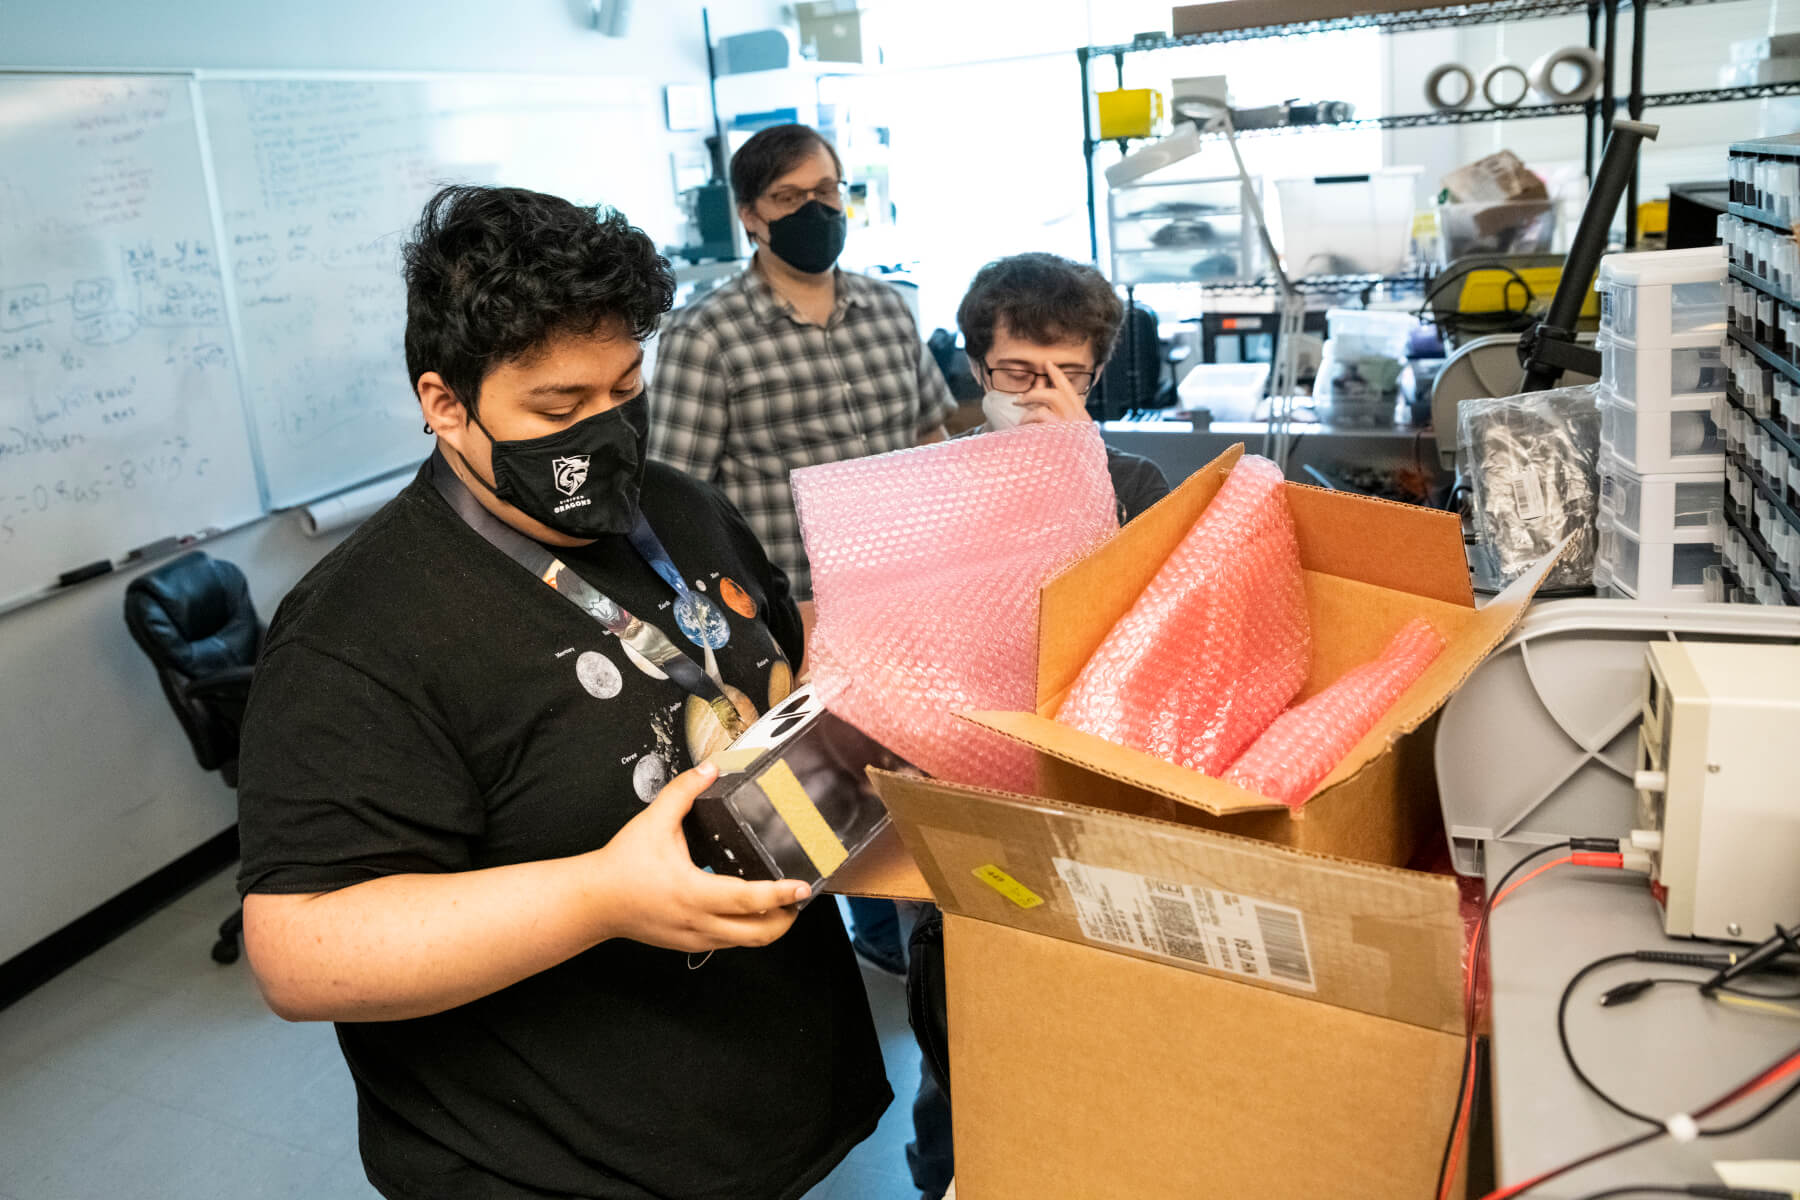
772	153
492	273
1042	298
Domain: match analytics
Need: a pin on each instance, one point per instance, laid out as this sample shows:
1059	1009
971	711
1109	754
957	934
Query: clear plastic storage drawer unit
1660	508
1673	441
1185	231
1651	376
1650	298
1662	572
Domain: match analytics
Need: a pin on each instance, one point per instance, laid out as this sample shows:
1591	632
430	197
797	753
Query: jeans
877	925
930	1154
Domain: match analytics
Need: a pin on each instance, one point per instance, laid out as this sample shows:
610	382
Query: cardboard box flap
1360	937
1391	545
882	870
1129	766
1480	633
1250	14
1365	616
1399	546
1079	607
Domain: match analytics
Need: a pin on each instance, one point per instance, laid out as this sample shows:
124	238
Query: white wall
99	788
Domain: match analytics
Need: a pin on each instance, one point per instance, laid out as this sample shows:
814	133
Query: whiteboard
120	417
321	180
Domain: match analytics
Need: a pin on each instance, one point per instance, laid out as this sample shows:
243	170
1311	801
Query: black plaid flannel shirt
745	393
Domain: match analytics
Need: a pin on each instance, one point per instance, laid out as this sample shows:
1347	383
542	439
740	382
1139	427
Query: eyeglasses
1016	381
789	199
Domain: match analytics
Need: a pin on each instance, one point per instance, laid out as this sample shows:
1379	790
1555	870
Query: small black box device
792	800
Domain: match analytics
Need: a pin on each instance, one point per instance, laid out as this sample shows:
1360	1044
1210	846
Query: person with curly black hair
461	791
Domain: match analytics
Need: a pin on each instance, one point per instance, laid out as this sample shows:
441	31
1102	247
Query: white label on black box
1528	494
1220	930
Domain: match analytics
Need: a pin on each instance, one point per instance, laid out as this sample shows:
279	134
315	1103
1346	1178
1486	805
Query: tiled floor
147	1072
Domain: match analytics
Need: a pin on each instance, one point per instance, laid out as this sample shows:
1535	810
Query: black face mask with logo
810	238
582	481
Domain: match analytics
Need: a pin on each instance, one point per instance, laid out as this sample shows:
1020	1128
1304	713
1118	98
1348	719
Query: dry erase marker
92	571
157	548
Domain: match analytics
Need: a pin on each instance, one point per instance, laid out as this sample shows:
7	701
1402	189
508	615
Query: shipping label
1221	930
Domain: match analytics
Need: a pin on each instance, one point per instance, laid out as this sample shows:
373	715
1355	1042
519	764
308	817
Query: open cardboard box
1161	985
1370	567
1140	1009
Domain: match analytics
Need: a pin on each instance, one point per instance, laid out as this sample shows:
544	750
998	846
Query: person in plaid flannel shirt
793	363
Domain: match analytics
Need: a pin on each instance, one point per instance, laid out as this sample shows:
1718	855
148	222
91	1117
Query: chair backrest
1132	377
194	618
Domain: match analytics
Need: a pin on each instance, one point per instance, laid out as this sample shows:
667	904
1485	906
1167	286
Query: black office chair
194	618
1134	379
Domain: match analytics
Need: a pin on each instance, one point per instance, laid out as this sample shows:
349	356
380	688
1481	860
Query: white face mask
1001	410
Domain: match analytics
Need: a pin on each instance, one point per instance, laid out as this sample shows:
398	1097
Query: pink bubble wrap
1287	762
1216	646
926	566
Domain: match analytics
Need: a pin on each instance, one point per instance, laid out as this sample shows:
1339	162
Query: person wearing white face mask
1038	329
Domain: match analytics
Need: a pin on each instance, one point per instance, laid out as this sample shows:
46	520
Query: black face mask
581	481
810	238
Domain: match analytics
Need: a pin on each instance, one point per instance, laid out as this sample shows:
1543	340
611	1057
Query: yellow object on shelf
1653	217
1130	113
1496	289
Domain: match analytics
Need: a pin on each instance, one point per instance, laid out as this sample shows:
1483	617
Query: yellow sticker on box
810	828
1007	886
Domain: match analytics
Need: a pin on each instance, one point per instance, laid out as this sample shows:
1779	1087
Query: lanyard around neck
650	643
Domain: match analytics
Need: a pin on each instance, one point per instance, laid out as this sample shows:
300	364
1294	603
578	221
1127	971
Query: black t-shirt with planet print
425	705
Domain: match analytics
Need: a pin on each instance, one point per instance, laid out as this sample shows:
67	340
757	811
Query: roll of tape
1543	75
1434	83
1496	72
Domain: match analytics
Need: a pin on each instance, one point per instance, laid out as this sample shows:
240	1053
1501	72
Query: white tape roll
1543	75
1434	83
1499	71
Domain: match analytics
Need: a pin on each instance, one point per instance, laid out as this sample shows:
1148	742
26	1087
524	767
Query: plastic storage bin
1650	376
1673	441
1361	375
1230	391
1182	232
1651	298
1516	227
1658	508
1348	224
1659	572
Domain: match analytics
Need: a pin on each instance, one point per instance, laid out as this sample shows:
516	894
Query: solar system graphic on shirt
599	677
736	598
704	726
653	769
700	621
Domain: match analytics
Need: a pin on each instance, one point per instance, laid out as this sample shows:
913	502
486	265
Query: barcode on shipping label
1528	494
1221	930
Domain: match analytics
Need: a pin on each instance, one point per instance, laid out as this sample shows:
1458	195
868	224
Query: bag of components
1531	464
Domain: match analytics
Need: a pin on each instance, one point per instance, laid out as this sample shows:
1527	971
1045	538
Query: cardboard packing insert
1163	985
